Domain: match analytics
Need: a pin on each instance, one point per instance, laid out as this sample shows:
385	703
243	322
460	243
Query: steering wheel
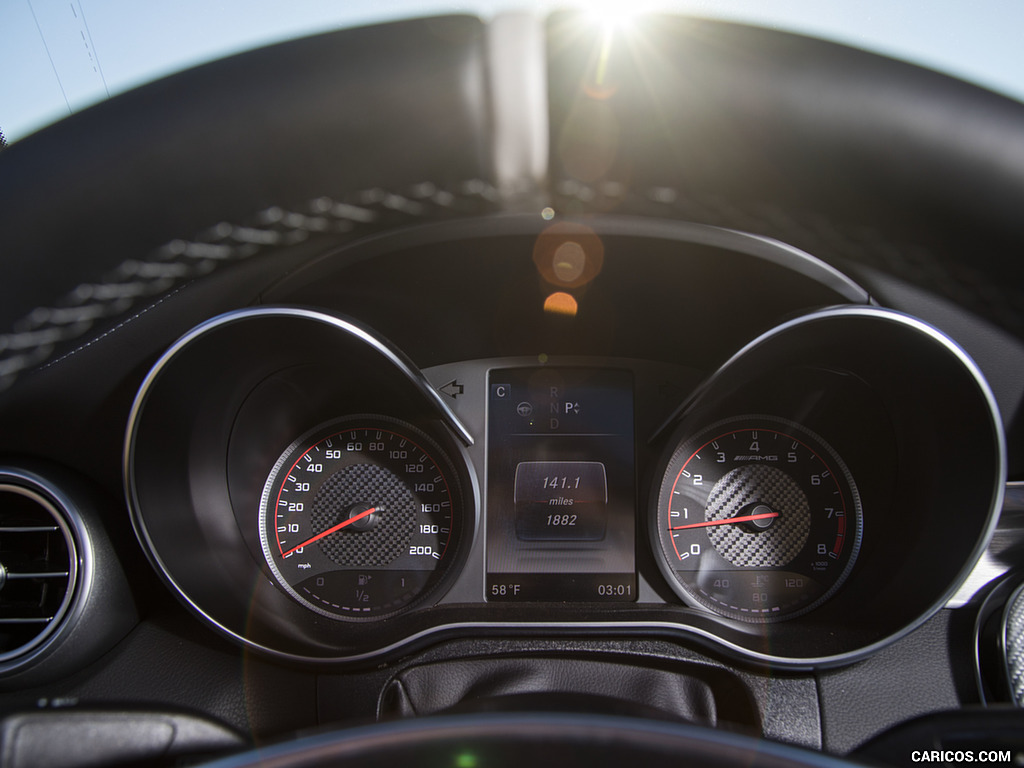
864	161
511	740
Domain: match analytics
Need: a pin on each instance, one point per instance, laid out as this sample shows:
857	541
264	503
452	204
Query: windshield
60	56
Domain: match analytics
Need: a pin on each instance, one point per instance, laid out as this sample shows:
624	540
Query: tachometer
757	519
358	518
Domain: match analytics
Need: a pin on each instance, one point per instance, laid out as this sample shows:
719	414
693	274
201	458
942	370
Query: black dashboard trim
619	627
502	225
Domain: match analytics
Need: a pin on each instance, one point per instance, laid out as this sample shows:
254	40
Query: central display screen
561	494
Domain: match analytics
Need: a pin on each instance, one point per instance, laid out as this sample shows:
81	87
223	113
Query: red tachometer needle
331	530
727	521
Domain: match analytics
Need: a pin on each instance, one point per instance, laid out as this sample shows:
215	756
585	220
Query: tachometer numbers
757	519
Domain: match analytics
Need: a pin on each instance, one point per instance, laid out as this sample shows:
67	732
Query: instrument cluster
312	493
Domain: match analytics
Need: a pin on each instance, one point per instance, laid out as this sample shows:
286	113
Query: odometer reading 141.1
757	519
358	517
561	480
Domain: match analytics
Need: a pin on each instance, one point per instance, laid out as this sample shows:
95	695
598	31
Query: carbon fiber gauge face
758	519
358	517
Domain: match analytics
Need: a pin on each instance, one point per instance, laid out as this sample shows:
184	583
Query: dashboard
327	477
529	405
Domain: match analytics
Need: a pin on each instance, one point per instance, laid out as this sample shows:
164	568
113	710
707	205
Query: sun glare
614	14
611	17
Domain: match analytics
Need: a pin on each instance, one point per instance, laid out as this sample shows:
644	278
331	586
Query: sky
60	56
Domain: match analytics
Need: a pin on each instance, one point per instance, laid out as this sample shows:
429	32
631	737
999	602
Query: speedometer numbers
757	519
358	518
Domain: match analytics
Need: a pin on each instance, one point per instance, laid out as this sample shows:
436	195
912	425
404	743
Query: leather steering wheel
864	161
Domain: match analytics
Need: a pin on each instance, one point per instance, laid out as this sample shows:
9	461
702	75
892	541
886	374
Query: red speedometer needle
331	530
727	521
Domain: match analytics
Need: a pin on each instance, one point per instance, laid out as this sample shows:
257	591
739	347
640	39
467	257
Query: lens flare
560	303
568	255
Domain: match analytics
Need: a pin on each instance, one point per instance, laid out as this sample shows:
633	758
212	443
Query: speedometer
358	517
757	519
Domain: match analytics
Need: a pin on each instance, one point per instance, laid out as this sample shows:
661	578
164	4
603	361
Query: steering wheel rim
865	161
542	739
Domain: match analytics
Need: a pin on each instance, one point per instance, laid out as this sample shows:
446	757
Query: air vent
38	568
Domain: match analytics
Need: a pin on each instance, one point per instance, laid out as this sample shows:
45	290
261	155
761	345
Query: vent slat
22	612
38	561
23	574
28	620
